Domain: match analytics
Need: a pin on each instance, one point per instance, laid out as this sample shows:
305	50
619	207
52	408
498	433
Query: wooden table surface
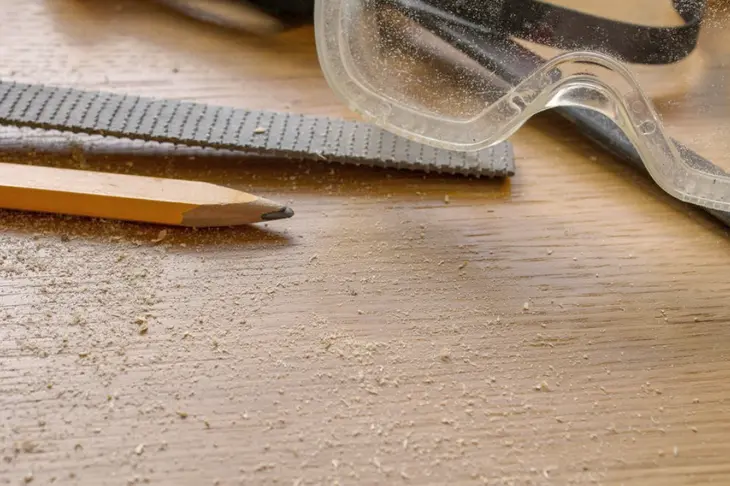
570	326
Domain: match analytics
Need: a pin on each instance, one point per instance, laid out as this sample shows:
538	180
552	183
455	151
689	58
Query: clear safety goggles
466	74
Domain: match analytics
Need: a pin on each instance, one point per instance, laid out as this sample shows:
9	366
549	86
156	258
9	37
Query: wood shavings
26	446
160	236
141	322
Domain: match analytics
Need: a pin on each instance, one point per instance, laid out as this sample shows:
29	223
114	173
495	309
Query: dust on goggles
466	74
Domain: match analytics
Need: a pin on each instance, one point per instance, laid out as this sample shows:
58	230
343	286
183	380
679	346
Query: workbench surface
569	326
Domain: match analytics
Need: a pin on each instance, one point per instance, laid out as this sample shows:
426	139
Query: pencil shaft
129	197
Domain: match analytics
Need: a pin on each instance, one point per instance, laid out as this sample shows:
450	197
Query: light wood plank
378	337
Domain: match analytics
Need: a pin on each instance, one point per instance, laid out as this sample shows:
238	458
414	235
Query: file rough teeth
267	133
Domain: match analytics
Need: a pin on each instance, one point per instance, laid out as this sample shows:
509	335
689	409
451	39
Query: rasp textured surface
257	132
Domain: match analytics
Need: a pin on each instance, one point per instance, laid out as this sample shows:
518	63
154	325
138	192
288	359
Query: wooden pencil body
127	197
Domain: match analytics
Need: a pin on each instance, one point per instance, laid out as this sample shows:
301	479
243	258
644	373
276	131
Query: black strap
292	12
569	29
548	24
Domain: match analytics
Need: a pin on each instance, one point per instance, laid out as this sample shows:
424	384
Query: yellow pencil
131	197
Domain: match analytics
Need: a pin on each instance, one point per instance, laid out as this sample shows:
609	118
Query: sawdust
27	447
143	328
160	236
392	367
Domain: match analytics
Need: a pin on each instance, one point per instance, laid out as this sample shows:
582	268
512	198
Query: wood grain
569	326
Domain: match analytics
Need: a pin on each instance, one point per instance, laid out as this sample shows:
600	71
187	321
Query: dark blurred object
261	17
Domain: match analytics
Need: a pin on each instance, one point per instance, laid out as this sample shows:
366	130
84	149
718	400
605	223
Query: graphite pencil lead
284	213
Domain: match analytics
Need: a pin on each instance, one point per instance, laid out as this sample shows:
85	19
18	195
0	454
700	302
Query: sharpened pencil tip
283	213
